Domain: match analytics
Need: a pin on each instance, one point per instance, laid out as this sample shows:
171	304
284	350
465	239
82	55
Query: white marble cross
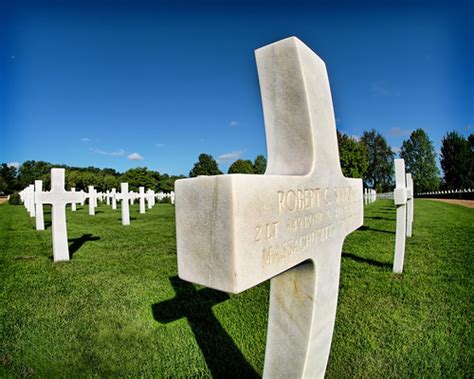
30	196
141	195
107	197
92	195
39	206
124	196
236	231
400	200
410	204
58	197
150	195
73	204
113	193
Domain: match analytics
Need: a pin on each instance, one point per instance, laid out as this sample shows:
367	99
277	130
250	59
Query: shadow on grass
222	356
371	262
78	242
131	219
380	218
364	228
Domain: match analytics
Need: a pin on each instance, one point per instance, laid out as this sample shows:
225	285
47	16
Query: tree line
13	179
370	157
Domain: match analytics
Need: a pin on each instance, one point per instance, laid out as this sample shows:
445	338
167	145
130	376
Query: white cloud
398	132
159	144
119	153
14	164
135	157
396	149
232	156
234	124
85	139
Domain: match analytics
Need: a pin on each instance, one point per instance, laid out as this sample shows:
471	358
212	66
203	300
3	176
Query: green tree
353	156
206	165
139	177
33	170
379	174
457	159
110	181
241	166
420	160
259	165
8	176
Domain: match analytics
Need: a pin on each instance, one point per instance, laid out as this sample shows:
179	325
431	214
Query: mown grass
118	309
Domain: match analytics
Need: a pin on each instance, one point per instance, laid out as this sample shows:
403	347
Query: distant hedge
14	199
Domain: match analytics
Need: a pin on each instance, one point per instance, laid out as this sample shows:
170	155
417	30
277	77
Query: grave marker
400	200
236	231
410	202
73	204
124	196
58	197
38	206
141	195
92	195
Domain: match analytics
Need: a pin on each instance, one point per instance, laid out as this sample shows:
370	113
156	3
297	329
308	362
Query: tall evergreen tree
380	157
420	160
206	165
259	165
457	160
352	155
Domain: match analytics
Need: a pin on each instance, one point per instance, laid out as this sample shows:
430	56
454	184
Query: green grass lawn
118	309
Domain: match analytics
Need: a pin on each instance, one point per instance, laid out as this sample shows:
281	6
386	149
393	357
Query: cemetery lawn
118	309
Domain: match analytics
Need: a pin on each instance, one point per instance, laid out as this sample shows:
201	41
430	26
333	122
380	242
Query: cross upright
149	198
236	231
92	195
73	204
39	206
31	200
124	196
400	200
58	197
114	198
409	181
141	195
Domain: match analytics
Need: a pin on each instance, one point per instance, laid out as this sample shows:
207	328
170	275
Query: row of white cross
464	190
370	195
34	198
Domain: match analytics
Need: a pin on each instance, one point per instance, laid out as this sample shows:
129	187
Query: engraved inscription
306	217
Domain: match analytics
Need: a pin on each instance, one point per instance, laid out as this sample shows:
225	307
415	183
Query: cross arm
249	228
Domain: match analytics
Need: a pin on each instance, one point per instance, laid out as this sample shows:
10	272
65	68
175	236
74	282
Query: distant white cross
73	204
410	204
58	197
114	198
39	206
141	196
400	200
92	195
124	196
236	231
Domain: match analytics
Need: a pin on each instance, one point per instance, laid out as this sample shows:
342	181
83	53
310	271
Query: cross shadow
78	242
380	218
372	262
364	228
223	357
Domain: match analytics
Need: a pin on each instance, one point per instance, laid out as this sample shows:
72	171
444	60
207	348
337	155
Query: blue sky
103	83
